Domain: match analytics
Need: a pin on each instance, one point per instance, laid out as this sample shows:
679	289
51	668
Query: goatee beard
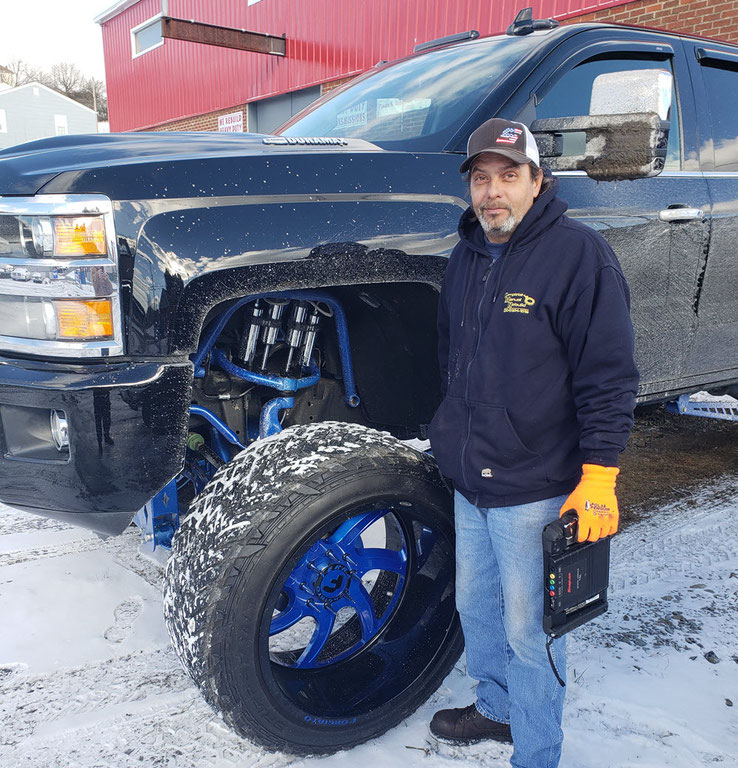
507	226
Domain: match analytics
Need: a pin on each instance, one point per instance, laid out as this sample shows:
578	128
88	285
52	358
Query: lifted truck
233	336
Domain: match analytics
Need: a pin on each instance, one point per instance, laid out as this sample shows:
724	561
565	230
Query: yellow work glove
594	502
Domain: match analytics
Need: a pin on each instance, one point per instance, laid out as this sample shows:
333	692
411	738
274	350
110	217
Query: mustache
495	205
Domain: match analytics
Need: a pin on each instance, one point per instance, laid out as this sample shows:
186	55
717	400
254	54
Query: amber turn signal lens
84	320
79	236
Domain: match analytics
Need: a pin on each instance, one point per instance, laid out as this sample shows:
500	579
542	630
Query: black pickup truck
231	340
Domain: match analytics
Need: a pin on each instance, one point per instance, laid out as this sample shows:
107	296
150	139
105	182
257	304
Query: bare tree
66	78
23	73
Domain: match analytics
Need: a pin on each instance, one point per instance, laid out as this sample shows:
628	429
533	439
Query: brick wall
326	87
206	122
695	17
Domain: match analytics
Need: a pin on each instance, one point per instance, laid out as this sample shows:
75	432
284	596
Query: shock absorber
250	337
296	327
271	329
308	341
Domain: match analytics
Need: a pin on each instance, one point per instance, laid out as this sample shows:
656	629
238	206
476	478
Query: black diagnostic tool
575	576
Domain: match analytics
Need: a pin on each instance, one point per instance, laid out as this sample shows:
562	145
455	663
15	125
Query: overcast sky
45	32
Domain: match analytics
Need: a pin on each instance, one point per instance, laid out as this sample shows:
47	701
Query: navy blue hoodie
536	356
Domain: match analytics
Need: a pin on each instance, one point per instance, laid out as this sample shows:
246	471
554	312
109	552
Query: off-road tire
250	526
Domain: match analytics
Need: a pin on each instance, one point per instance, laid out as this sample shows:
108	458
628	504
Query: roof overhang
114	10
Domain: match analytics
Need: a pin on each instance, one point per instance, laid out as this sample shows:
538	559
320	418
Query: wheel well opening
389	342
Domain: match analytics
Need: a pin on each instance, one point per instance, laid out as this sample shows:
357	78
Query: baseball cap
504	137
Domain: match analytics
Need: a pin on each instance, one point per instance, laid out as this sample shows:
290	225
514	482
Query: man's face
502	192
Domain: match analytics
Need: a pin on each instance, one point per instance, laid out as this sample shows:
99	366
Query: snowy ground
87	677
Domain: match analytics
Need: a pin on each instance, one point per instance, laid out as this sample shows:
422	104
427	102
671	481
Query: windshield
418	103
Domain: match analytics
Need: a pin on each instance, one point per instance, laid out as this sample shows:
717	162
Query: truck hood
27	168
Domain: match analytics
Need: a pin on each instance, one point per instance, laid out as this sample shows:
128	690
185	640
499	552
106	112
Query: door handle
681	214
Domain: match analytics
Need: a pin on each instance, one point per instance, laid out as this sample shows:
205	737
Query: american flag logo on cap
509	136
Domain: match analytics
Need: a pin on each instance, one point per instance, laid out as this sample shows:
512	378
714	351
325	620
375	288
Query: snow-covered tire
284	530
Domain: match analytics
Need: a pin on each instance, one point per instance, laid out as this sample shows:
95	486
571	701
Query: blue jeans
499	596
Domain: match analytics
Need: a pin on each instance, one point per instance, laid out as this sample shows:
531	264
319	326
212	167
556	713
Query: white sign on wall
232	123
355	115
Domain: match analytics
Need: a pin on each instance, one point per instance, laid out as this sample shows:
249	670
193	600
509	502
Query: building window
3	122
147	36
60	124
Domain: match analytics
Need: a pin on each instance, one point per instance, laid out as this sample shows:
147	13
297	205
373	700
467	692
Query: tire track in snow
32	702
55	550
650	550
670	577
171	729
14	521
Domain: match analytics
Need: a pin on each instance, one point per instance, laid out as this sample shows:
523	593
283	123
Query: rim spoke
383	560
364	606
287	618
347	533
323	627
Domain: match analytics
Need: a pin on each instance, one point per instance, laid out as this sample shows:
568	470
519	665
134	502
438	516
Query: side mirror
626	131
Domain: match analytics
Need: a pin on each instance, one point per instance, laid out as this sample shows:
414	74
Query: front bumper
127	434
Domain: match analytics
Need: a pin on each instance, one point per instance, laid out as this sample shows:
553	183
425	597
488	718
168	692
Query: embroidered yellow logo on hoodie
518	302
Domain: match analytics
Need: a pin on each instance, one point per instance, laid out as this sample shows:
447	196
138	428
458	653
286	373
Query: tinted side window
721	84
570	97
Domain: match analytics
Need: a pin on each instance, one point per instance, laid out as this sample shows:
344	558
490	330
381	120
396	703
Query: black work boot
467	726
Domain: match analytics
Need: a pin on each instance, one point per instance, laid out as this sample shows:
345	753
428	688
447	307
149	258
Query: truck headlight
59	276
31	317
54	237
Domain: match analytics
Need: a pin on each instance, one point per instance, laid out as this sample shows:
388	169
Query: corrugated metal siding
326	40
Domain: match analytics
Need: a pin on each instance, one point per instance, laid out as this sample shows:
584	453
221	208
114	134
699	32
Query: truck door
715	76
656	226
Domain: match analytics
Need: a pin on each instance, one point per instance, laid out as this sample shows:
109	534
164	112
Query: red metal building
155	82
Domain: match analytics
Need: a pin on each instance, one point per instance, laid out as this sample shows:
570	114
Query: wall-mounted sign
232	123
355	115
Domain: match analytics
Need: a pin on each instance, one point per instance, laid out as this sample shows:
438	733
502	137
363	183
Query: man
539	384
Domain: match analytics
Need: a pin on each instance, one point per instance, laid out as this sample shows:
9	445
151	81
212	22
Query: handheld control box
575	576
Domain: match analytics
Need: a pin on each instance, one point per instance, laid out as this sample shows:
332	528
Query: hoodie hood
547	208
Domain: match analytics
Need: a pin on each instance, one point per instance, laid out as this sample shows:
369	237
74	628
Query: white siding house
34	111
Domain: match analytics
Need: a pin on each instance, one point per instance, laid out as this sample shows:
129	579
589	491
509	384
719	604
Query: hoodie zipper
468	368
499	274
474	355
466	294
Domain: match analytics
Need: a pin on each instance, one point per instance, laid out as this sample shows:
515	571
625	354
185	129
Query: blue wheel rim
330	588
356	669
